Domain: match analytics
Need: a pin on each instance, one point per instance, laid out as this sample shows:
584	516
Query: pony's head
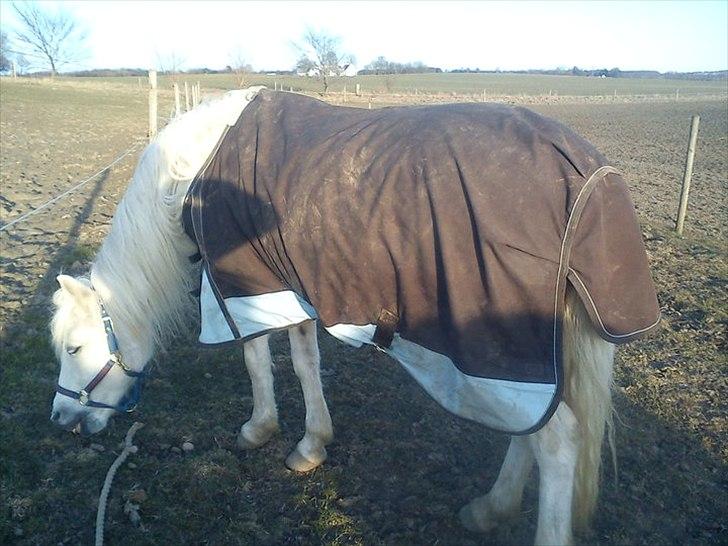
141	276
94	382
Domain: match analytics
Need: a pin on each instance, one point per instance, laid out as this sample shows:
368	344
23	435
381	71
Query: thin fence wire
70	190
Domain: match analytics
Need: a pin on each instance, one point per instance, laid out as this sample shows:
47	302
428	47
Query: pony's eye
73	350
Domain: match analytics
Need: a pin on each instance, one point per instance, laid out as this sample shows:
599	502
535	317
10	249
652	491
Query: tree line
382	66
604	73
49	41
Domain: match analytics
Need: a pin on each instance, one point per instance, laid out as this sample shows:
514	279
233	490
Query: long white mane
143	271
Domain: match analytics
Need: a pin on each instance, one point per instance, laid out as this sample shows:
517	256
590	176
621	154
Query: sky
682	36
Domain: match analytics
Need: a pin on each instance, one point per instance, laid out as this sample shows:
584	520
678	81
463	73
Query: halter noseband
128	403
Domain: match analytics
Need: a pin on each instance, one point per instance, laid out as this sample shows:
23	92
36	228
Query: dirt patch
400	466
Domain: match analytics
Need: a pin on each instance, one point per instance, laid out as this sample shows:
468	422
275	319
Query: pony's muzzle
65	420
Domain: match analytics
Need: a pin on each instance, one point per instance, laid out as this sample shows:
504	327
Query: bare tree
55	38
240	67
5	62
321	54
305	66
379	66
171	62
23	64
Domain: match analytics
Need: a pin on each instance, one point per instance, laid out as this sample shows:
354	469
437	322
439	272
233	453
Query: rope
71	190
104	497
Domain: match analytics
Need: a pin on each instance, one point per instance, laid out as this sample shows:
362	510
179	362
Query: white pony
141	279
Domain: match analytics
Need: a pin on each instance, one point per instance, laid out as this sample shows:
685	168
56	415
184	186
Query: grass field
494	84
400	466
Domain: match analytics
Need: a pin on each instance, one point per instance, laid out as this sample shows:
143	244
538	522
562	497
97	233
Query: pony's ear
74	287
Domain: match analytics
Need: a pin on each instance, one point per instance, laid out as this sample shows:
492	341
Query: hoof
299	463
245	443
472	522
467	519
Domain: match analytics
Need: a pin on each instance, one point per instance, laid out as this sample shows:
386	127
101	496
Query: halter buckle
116	357
83	397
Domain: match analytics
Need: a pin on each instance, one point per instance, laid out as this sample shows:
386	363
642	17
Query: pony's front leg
310	451
263	422
503	501
556	448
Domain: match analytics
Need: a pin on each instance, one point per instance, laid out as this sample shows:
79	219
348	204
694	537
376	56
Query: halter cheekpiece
129	402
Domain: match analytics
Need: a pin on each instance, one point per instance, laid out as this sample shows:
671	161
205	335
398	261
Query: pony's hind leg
310	451
503	501
556	447
263	422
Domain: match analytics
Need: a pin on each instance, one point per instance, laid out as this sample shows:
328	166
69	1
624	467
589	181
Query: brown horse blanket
443	231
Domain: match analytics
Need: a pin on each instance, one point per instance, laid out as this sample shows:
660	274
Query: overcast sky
664	36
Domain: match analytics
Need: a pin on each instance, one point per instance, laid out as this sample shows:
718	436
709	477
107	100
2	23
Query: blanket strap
386	326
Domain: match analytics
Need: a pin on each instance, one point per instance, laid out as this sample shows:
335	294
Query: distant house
349	71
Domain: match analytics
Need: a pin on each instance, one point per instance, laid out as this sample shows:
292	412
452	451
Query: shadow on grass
31	450
397	473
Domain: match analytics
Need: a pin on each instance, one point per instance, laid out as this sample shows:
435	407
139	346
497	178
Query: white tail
588	366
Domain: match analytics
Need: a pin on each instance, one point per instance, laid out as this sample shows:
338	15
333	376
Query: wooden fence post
15	70
152	104
177	109
358	90
199	93
187	97
682	210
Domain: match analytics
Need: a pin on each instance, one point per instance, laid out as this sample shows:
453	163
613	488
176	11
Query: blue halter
129	402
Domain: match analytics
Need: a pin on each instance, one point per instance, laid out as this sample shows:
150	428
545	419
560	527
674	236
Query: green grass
80	253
